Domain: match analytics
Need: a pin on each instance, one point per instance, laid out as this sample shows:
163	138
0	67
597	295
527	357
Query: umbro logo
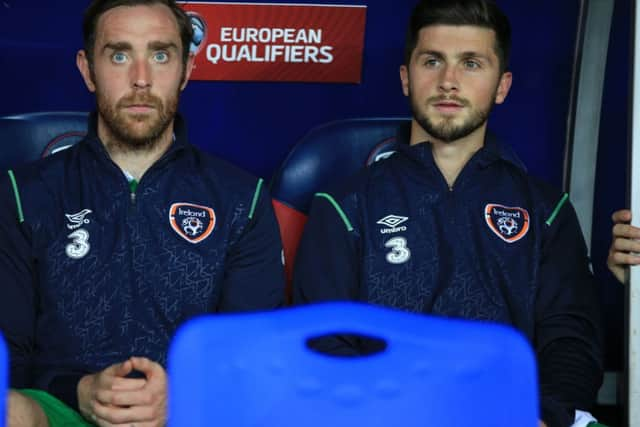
394	223
392	220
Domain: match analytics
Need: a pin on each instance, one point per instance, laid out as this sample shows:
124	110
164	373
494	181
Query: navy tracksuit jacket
498	246
95	270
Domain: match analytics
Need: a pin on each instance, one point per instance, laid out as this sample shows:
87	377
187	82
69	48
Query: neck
135	160
450	157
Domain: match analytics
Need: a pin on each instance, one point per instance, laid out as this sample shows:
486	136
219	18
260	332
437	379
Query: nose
449	79
141	74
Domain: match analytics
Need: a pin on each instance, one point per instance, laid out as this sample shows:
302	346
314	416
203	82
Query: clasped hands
110	398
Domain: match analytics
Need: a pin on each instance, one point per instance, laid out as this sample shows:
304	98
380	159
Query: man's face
453	80
137	74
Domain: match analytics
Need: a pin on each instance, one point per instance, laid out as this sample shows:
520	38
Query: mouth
139	108
448	106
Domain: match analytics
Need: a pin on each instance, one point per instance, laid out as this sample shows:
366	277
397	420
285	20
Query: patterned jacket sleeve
568	337
19	301
254	274
17	294
327	266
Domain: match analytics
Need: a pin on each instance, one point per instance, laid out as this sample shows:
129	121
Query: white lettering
311	54
315	36
229	57
301	37
497	211
264	35
278	33
252	35
271	35
289	34
254	55
211	57
189	212
296	54
244	54
328	56
276	51
225	34
393	230
264	52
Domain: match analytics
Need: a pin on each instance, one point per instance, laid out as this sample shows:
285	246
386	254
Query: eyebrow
472	54
126	46
466	54
431	53
159	45
117	46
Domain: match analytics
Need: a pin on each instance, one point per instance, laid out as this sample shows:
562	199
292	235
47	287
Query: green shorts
57	412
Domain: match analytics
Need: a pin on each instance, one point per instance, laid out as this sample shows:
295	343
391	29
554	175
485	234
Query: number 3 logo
80	246
399	252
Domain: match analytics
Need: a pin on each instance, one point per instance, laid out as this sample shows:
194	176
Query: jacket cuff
554	414
65	388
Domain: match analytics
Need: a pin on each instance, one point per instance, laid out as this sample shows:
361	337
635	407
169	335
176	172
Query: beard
136	131
446	130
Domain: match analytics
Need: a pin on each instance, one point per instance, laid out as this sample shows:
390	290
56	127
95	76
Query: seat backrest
330	153
254	369
28	137
323	158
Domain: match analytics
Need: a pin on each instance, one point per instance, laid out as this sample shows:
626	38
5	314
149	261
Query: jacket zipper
133	185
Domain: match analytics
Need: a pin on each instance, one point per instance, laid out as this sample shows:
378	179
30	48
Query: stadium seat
254	369
324	157
31	136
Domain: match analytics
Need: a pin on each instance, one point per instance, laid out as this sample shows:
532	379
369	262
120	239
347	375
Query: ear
404	79
188	69
82	62
503	87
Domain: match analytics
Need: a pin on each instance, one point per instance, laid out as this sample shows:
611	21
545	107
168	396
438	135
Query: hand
541	424
625	242
108	398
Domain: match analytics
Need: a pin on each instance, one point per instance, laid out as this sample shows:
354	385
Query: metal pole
583	127
633	287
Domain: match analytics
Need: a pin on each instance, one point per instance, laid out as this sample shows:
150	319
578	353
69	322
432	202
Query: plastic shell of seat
256	370
31	136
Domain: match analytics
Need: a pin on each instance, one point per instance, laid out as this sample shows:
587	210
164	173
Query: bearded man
452	225
109	246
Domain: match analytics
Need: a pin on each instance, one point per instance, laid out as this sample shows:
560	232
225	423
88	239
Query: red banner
277	42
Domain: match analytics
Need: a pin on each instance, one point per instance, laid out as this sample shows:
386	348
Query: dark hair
478	13
98	7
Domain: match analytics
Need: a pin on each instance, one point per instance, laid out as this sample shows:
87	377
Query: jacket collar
180	140
491	151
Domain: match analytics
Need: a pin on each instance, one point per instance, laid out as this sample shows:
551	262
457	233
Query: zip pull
133	185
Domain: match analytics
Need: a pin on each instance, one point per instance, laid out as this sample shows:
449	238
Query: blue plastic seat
28	137
255	370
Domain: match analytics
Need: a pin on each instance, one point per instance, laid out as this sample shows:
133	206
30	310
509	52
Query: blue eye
161	57
472	65
431	62
119	58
